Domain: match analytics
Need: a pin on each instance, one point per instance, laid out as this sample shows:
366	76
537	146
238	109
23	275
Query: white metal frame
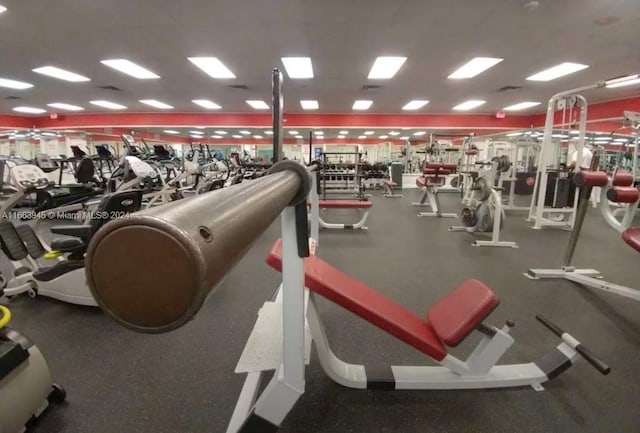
388	190
317	221
430	194
495	241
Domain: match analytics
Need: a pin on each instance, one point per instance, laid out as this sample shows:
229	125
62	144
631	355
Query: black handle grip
549	324
592	359
587	354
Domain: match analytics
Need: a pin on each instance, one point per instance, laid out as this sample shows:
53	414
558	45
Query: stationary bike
65	280
25	381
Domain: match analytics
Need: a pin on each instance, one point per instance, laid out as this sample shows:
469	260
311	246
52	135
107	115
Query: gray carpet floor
120	381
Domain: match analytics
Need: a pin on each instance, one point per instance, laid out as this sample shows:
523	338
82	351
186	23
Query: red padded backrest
632	237
363	301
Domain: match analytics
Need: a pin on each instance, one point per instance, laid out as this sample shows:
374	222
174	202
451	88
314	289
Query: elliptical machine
26	388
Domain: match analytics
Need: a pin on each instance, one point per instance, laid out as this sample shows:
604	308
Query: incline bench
389	186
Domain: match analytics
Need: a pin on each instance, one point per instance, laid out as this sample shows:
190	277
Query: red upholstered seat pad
345	204
632	237
353	295
390	183
421	181
459	312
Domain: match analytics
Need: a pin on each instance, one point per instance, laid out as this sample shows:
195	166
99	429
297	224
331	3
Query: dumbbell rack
338	177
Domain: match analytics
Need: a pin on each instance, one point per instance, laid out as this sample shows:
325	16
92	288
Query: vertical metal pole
315	207
310	147
581	211
546	153
293	320
277	104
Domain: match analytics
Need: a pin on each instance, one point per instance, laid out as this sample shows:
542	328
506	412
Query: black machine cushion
11	356
50	272
34	247
78	231
67	245
11	243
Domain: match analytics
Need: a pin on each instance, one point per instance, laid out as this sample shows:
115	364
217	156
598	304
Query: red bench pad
355	296
632	237
345	204
390	183
421	181
459	312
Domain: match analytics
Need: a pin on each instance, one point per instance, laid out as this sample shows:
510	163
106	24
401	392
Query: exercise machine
210	233
26	389
65	280
586	180
434	177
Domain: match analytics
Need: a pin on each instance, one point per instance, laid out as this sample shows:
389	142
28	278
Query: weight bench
345	204
389	186
429	184
445	324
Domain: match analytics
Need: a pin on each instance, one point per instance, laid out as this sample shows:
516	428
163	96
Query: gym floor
121	381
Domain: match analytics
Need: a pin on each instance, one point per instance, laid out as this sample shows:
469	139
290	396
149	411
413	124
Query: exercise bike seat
50	272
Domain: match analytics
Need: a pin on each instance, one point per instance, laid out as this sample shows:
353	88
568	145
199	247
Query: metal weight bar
151	272
278	103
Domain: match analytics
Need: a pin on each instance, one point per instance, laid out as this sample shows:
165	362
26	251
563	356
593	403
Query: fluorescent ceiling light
245	132
2	9
19	136
298	136
257	136
216	136
201	127
63	106
258	104
629	80
30	110
49	134
13	84
514	134
362	136
318	132
621	140
394	133
602	138
343	132
298	67
574	132
171	131
293	132
474	67
128	67
309	104
196	136
416	104
61	74
557	71
559	136
156	104
196	132
205	103
382	137
237	136
521	106
268	132
108	104
340	136
385	68
419	133
362	105
212	66
369	132
469	105
404	138
220	132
